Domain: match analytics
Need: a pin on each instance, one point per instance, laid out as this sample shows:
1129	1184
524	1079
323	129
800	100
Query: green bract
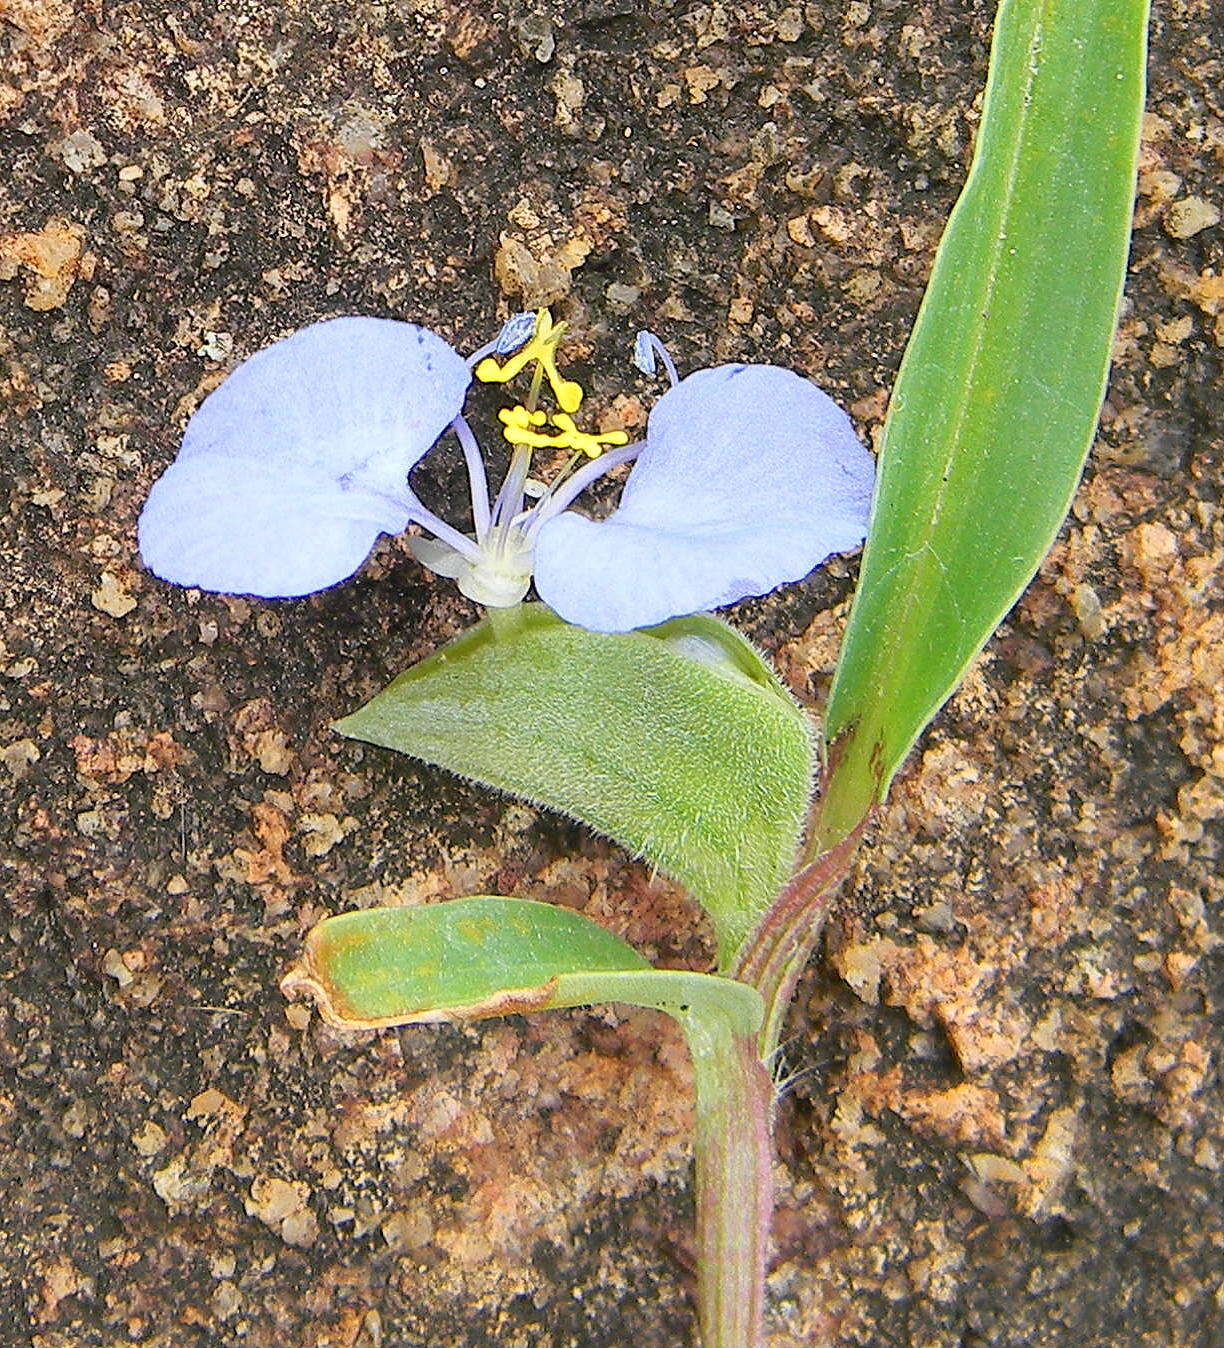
676	741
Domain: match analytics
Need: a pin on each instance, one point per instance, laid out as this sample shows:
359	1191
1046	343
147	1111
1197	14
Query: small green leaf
473	958
711	642
999	391
679	742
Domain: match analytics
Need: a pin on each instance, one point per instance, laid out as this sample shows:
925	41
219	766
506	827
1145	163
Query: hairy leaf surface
678	741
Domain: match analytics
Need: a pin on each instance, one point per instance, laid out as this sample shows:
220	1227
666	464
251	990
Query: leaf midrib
919	585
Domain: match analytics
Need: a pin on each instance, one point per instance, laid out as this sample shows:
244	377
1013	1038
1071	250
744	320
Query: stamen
477	479
510	498
514	332
645	347
520	418
584	442
517	423
542	348
558	500
439	528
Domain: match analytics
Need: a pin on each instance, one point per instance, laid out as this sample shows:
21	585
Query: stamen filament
477	478
559	500
510	498
440	529
533	392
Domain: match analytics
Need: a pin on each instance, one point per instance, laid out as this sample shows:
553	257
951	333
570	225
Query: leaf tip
346	726
302	980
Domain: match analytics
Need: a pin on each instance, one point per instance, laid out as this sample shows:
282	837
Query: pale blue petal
750	477
293	466
238	526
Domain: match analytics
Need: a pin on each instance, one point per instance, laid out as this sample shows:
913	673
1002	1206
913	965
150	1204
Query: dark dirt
1005	1124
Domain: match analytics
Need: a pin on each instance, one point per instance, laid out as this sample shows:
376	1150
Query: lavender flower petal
294	465
750	477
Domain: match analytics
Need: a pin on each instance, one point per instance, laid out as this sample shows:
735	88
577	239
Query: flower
498	573
749	477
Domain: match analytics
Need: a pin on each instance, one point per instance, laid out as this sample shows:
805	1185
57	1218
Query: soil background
1003	1118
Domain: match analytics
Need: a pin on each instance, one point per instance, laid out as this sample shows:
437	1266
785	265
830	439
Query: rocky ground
1004	1122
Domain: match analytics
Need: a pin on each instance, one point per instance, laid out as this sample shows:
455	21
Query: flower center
520	427
502	573
495	567
541	349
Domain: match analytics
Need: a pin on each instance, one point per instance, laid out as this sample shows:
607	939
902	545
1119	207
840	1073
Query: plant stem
505	621
733	1139
774	956
733	1152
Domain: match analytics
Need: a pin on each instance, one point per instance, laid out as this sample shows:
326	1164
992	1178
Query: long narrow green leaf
473	958
999	391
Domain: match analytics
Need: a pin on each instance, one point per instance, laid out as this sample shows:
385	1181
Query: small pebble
1189	216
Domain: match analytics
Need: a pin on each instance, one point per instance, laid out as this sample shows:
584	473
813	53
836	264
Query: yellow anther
590	445
520	418
542	349
518	423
